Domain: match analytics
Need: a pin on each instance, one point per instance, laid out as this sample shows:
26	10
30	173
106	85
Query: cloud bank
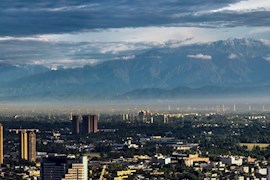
200	56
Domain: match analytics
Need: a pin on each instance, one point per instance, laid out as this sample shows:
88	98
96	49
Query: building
24	145
86	124
54	168
194	158
78	171
1	144
93	123
75	124
229	160
32	140
28	145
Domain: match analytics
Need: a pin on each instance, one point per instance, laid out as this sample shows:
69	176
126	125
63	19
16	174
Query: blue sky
75	33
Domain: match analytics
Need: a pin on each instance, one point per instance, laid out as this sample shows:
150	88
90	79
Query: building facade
75	124
86	124
24	145
93	123
1	144
32	153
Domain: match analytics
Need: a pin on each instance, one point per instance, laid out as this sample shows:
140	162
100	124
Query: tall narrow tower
32	153
93	123
75	124
1	144
24	145
86	124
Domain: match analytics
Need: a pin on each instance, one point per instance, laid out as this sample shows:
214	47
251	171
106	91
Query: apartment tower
86	124
32	153
28	145
75	124
1	144
93	123
24	145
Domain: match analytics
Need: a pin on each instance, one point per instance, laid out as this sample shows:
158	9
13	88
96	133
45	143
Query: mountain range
230	67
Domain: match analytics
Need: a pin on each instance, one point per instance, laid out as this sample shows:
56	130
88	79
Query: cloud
128	57
21	18
265	42
267	58
200	56
65	54
232	56
247	5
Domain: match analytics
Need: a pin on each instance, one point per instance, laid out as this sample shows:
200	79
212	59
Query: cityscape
143	145
136	90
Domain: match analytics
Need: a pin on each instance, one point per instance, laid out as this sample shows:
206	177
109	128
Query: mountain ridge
226	65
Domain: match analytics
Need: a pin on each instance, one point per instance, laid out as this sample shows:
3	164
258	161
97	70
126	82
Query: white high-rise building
78	171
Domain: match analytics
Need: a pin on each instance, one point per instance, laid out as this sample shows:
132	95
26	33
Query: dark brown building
90	124
86	124
93	123
75	124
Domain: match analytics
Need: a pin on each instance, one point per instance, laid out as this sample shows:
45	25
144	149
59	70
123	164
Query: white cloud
200	56
232	56
154	35
64	63
30	38
265	42
129	57
267	58
159	36
116	48
247	5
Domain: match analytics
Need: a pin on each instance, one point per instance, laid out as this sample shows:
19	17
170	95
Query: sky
72	34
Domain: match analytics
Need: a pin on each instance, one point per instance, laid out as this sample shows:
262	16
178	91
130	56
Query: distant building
125	117
86	124
142	116
78	171
235	160
194	158
24	145
28	145
54	168
1	144
93	123
158	158
75	124
89	124
32	141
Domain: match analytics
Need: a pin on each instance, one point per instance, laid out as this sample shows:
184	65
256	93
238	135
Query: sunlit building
78	171
28	145
32	153
24	145
1	144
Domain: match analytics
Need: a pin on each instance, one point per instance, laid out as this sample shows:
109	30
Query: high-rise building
28	145
93	123
75	124
90	123
1	144
78	171
32	153
86	124
54	168
24	145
